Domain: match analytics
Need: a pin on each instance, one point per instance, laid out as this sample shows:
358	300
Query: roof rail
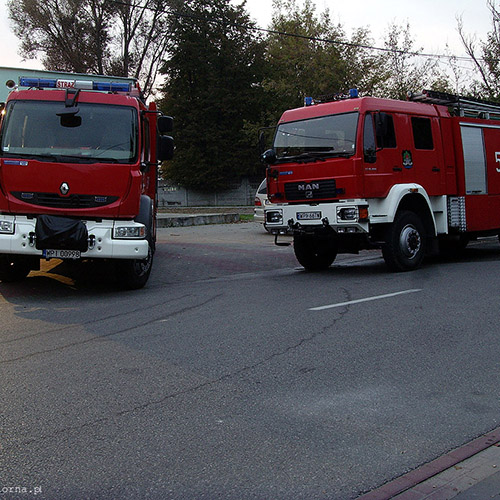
458	105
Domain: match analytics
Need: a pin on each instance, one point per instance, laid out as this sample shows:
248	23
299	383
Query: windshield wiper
78	158
24	156
57	158
313	156
89	159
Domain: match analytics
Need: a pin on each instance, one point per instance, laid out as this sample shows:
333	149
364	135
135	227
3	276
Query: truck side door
422	155
382	164
481	154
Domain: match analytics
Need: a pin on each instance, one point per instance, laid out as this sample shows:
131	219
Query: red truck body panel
122	183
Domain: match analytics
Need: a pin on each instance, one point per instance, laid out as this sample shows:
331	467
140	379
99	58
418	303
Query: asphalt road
227	378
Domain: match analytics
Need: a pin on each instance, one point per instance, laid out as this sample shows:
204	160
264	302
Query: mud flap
61	233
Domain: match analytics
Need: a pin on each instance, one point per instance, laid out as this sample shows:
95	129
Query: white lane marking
367	299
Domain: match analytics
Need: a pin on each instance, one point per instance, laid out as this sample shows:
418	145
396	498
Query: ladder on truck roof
460	106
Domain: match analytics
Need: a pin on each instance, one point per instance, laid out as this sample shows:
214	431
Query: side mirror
165	124
262	142
269	156
266	135
370	156
165	148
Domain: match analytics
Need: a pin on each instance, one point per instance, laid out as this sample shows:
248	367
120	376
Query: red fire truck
409	177
78	175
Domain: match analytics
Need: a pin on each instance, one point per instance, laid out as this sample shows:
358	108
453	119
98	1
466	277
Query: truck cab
78	176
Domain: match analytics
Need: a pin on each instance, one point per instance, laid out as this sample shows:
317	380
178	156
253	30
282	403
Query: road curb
177	220
427	471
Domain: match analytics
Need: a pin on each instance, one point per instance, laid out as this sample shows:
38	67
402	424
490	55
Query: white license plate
62	254
308	215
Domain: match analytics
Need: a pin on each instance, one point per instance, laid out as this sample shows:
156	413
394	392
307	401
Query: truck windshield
97	133
333	135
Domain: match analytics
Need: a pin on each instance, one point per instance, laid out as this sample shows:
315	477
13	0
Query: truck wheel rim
410	241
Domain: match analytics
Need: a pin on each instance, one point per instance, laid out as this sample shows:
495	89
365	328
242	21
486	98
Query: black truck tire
404	247
134	273
14	268
315	252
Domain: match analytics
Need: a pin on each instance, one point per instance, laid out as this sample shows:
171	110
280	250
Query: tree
405	71
94	36
487	66
318	59
212	85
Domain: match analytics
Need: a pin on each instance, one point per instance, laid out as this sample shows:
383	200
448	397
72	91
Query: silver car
261	201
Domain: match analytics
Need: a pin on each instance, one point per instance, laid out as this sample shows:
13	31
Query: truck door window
369	137
422	133
386	136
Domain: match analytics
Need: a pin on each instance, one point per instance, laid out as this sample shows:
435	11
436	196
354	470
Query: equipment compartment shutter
474	160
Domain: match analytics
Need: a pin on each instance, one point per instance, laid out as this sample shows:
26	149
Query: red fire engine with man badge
78	175
409	177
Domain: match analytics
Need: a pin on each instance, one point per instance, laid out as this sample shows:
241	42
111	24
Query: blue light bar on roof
48	83
37	82
112	86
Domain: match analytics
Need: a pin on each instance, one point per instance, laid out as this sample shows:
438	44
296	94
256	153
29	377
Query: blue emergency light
49	83
310	101
37	82
111	86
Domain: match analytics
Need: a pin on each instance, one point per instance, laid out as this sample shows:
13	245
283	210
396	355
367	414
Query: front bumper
345	217
17	235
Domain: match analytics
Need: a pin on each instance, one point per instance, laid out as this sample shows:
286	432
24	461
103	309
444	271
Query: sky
432	22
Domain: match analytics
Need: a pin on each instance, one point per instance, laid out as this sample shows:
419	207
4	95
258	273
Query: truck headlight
347	213
129	232
274	216
6	227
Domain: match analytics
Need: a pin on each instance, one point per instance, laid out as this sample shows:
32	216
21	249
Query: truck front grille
54	200
312	190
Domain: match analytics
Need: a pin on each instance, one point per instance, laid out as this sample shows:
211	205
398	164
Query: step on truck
78	175
412	177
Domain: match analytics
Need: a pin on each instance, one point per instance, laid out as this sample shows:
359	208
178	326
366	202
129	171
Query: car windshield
323	136
97	133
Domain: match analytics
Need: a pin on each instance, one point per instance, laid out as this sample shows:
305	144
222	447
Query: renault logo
64	188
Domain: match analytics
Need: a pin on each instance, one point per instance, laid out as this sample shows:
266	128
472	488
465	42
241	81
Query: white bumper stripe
105	246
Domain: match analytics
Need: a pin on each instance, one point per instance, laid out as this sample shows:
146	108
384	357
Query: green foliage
212	88
71	35
486	85
318	60
404	70
93	36
490	68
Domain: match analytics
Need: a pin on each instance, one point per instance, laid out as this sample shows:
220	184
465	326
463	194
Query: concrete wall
242	194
